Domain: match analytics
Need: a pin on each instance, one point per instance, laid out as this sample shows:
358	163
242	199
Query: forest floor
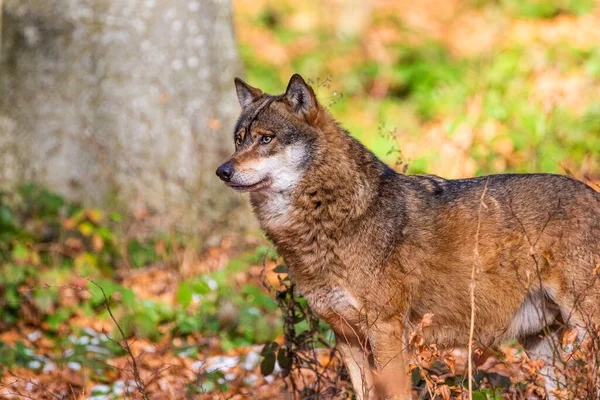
90	312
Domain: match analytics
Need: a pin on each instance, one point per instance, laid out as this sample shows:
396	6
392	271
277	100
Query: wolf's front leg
391	359
355	353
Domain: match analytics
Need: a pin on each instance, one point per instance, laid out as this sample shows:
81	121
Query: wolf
374	251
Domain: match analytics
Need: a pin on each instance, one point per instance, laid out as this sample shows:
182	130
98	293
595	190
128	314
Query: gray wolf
374	251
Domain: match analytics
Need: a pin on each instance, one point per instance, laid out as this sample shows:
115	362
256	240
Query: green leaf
184	294
58	317
141	254
50	202
20	252
6	217
107	286
283	358
22	354
236	265
13	274
116	217
298	318
268	364
128	299
187	324
86	264
86	228
269	348
12	297
105	233
200	287
479	396
281	269
145	326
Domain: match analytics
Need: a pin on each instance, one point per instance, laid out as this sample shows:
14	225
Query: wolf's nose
225	171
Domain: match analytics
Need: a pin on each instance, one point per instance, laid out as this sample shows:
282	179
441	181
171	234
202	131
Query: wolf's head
274	138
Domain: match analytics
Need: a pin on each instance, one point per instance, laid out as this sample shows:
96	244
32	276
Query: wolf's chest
333	304
275	211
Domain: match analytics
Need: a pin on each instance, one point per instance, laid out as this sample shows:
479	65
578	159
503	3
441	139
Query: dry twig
472	290
141	385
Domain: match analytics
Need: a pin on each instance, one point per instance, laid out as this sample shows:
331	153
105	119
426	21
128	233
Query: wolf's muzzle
225	171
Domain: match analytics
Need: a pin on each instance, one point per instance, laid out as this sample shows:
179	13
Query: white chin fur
285	171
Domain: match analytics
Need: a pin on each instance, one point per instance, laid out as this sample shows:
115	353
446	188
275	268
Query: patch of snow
101	389
91	332
98	349
251	360
49	367
251	379
74	366
212	284
221	363
230	377
35	335
83	340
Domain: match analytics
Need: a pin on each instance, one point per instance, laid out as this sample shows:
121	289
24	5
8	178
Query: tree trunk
121	103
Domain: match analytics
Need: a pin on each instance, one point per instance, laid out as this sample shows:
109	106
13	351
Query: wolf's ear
246	94
301	96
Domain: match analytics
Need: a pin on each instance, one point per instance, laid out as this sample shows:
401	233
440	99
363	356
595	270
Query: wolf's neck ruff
307	221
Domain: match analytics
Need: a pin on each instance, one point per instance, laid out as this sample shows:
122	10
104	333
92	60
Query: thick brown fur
373	251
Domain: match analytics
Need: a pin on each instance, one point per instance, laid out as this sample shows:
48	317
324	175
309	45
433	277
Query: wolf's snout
225	171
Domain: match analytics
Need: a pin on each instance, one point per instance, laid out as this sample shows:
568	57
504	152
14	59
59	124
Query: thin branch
141	386
29	381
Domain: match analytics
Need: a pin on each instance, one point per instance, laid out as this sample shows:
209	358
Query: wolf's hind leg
546	347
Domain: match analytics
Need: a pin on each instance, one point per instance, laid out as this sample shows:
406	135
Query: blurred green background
461	88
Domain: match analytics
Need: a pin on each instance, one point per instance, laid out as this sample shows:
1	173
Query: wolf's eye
266	139
238	140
